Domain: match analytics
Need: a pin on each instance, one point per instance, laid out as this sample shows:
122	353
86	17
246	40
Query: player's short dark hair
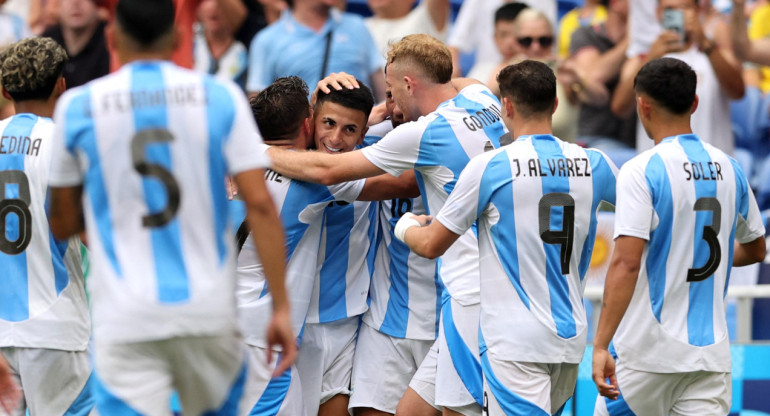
30	68
509	11
145	21
668	81
357	98
281	108
530	85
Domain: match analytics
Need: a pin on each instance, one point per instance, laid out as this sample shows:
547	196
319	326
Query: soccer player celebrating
533	325
44	321
455	127
685	216
147	149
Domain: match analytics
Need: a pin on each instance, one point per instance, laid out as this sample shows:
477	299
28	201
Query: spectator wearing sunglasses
535	40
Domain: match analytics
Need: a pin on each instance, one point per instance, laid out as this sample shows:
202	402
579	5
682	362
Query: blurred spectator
597	55
708	50
216	51
591	13
505	41
473	30
757	51
535	38
12	29
759	29
81	32
394	19
313	39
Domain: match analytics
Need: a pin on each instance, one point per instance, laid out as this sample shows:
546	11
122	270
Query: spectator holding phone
708	50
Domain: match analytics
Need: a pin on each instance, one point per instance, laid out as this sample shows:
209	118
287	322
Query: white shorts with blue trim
325	360
54	382
265	395
382	368
209	374
526	389
457	376
694	393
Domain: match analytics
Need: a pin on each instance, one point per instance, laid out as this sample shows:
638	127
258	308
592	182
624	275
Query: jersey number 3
18	206
156	171
710	233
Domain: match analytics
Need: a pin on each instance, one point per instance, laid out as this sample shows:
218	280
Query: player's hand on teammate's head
604	369
10	393
337	81
279	332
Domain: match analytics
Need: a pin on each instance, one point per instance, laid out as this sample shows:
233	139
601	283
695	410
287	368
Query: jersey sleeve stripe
660	238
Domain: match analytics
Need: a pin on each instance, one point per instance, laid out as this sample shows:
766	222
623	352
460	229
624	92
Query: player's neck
530	127
669	128
37	107
126	57
433	95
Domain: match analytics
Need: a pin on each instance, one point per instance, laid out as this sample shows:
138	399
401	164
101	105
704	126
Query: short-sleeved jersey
690	201
536	201
437	147
42	301
301	206
151	144
405	293
287	47
345	261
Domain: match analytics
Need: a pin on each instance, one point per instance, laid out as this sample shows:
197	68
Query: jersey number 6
18	206
156	171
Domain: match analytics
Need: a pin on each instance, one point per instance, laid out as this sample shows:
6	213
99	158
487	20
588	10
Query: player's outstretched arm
618	290
749	253
387	186
66	215
427	240
10	393
322	168
267	232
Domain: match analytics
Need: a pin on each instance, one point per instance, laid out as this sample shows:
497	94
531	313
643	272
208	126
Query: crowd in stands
595	48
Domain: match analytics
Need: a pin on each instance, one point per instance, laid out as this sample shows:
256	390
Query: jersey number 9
566	235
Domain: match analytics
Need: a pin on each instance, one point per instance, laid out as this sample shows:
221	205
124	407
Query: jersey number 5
710	233
156	171
17	206
565	236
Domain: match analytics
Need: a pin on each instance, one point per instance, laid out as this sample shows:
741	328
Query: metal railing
745	296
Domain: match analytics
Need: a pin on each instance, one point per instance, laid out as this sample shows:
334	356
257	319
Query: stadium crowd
280	207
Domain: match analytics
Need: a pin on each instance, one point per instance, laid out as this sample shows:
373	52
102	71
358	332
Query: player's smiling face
338	128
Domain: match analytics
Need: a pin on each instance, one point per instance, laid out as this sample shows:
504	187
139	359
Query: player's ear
694	104
363	134
643	106
508	107
555	104
6	95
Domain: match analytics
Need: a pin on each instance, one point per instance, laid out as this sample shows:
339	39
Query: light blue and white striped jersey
536	201
438	146
301	206
405	293
345	261
690	201
42	300
152	144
